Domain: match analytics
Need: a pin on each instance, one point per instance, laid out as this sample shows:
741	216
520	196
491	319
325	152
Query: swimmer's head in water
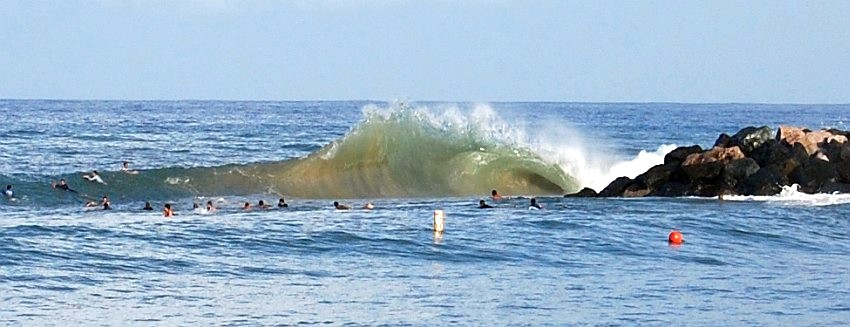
494	193
481	202
168	206
533	201
336	204
261	203
9	187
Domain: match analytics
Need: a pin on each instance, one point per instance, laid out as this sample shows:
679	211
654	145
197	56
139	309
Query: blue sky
594	51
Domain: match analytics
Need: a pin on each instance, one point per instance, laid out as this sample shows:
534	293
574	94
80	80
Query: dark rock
765	181
785	167
738	170
616	188
843	170
751	138
832	187
833	149
675	189
704	189
723	140
636	192
704	171
656	176
812	176
769	152
677	156
584	193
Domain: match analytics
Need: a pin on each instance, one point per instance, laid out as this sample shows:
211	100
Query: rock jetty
754	161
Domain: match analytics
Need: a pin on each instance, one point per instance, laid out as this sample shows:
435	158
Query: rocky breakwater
754	161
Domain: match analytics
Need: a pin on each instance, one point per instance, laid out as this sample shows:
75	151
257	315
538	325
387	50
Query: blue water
759	261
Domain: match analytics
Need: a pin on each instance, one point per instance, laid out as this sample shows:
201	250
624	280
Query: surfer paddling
94	177
495	196
167	212
339	206
483	205
125	168
62	185
534	205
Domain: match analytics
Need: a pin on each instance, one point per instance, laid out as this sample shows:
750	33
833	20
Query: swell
402	152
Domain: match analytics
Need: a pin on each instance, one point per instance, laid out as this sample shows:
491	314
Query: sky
576	51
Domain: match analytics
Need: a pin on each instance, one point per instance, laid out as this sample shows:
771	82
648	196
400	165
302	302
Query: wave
400	151
790	195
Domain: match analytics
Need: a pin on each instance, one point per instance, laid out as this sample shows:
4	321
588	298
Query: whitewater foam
791	195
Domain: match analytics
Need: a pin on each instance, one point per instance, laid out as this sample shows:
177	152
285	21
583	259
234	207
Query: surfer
9	193
247	206
483	205
262	205
167	212
125	167
62	186
368	206
210	207
94	177
282	203
495	196
105	202
148	206
534	204
340	206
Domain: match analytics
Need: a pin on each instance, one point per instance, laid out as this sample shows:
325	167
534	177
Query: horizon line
428	101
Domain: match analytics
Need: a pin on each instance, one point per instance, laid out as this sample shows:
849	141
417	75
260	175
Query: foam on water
790	195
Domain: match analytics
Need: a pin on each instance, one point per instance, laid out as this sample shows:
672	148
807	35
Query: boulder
702	172
843	170
716	154
835	151
616	188
765	181
814	175
584	193
810	140
674	189
677	156
738	170
656	175
635	191
750	138
723	140
833	187
704	189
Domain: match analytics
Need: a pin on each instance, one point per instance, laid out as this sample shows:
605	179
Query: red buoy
675	237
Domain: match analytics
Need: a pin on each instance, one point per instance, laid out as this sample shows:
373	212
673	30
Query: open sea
753	261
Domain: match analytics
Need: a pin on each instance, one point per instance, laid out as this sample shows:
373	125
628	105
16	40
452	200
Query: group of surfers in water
494	195
168	210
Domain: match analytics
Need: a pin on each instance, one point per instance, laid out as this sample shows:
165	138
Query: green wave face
403	153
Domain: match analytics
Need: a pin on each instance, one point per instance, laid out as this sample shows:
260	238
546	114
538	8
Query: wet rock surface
753	161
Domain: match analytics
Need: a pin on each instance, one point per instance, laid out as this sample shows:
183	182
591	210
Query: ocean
780	260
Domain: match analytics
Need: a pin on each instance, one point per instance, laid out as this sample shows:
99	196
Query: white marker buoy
439	220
